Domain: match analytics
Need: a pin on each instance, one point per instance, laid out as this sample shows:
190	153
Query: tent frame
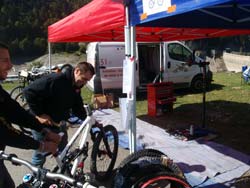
158	34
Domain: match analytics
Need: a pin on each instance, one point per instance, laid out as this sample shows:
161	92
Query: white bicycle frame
83	130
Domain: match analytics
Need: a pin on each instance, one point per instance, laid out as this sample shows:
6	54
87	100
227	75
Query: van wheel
196	84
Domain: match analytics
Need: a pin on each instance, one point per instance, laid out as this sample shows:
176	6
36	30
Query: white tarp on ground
205	164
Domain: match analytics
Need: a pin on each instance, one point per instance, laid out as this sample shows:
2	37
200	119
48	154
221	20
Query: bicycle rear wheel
149	153
22	101
141	164
16	91
104	153
161	180
148	156
66	67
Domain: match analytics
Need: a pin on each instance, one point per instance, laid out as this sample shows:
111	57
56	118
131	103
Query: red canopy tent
104	20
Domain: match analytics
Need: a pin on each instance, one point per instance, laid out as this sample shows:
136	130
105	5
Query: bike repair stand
197	132
203	131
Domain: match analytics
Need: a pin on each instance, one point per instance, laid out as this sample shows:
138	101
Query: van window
179	52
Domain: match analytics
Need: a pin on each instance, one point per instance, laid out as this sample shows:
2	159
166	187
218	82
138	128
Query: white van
107	58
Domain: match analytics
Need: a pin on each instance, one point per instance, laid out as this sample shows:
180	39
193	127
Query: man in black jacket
12	112
54	96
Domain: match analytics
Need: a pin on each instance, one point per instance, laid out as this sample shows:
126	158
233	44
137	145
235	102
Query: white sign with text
155	6
127	79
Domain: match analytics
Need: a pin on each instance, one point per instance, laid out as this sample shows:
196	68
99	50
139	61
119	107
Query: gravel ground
63	58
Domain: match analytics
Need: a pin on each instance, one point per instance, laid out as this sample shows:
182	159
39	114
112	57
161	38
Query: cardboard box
103	101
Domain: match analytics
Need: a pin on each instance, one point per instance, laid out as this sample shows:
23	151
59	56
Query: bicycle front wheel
104	153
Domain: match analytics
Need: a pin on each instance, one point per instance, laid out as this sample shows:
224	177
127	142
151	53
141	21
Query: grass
227	110
226	87
8	86
86	95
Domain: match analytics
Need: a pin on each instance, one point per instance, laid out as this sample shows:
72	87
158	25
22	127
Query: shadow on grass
186	91
230	120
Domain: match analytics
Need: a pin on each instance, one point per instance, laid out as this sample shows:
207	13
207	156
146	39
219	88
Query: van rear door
149	62
110	61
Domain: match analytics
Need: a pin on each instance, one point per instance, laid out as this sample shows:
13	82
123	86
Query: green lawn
9	85
226	87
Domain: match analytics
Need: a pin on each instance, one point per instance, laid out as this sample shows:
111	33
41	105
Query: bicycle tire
160	180
150	155
143	162
141	153
22	101
132	172
131	177
65	67
15	91
99	156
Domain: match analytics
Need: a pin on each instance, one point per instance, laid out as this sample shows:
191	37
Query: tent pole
133	92
127	35
161	62
129	55
49	50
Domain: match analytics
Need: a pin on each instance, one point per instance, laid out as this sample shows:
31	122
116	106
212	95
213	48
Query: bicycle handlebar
36	170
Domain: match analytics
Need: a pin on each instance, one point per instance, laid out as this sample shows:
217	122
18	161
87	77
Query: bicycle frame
83	130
